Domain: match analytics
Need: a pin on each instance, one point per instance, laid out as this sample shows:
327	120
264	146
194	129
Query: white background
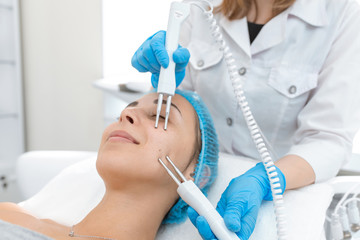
126	25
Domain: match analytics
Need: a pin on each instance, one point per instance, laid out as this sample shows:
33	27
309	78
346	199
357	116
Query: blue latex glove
239	204
152	54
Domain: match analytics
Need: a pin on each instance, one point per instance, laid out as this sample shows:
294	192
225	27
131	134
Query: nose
130	119
130	116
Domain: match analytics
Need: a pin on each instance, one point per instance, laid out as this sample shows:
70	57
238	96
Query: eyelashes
160	116
154	116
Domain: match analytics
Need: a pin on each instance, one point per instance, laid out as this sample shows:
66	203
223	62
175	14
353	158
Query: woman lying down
140	195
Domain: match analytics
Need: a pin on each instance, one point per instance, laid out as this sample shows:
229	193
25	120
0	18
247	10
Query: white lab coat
302	81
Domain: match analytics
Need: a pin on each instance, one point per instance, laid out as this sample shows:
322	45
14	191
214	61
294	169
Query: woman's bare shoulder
12	213
9	206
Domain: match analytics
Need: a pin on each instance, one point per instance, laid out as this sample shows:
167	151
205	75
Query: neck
125	216
260	11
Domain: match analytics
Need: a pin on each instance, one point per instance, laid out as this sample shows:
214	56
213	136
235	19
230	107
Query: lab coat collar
271	34
237	29
312	12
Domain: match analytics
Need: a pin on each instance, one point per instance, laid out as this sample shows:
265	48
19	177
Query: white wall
61	42
125	28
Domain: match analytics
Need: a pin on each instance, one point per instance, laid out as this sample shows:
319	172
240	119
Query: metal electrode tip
158	109
167	111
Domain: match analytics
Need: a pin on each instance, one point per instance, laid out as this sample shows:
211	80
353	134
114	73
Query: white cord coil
254	129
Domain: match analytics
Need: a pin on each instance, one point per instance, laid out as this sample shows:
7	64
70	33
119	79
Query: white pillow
72	194
69	196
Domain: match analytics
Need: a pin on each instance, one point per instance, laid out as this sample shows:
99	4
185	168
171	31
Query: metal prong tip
167	111
158	109
169	172
176	169
166	121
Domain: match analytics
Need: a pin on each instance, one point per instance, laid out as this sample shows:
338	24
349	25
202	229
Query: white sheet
78	189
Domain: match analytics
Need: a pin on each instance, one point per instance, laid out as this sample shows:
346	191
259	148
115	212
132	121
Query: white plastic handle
178	13
192	195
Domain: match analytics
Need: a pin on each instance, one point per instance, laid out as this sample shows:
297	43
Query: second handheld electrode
193	196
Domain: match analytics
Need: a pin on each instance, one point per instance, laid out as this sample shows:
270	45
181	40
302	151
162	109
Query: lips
122	136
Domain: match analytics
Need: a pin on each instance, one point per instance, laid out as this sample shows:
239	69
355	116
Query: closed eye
159	116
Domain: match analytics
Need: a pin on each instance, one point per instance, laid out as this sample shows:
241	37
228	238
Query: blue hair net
206	168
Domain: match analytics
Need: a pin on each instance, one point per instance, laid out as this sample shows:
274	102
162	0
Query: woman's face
130	147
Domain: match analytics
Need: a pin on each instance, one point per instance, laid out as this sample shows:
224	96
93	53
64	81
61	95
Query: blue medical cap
206	168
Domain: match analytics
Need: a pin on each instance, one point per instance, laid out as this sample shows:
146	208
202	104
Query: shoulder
9	206
12	213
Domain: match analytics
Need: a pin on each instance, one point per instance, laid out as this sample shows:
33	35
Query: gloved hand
152	54
240	203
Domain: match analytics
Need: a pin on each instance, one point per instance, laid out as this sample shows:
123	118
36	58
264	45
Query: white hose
254	129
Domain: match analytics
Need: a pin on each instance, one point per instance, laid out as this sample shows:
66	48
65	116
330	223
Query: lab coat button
242	71
292	89
200	63
229	121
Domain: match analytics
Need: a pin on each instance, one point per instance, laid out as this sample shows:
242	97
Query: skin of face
131	163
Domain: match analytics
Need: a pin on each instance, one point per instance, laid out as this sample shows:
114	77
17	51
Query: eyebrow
164	102
132	104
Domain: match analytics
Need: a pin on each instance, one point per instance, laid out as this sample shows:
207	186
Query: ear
206	173
189	171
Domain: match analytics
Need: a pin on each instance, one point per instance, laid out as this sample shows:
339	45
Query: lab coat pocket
292	82
204	55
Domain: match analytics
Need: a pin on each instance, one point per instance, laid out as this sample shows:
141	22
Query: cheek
162	143
176	145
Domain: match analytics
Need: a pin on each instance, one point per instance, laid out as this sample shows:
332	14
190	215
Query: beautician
300	61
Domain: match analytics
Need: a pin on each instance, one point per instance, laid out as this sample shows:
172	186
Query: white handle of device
192	195
178	13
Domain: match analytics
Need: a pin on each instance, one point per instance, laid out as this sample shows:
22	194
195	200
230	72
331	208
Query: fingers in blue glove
248	223
151	54
179	77
235	210
157	44
181	57
135	63
204	228
201	224
150	57
144	62
154	79
192	215
179	69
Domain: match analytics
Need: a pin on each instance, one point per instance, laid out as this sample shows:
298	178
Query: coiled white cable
254	129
